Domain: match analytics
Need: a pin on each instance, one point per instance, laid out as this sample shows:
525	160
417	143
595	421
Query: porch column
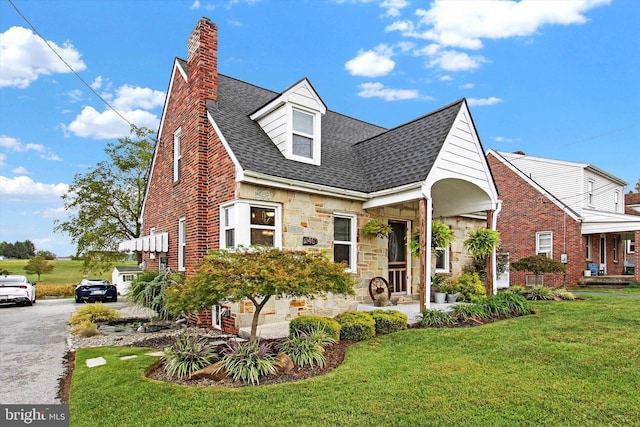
425	253
492	278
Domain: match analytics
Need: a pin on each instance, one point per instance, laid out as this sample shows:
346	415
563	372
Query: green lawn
625	290
572	363
64	271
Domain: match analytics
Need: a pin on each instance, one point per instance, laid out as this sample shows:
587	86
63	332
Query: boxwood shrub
307	324
356	325
388	321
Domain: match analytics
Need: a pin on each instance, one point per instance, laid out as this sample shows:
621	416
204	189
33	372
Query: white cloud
481	102
20	170
25	57
372	63
75	95
378	90
506	140
467	86
23	187
394	7
451	60
129	98
195	5
446	78
3	158
96	83
107	124
465	23
12	144
59	212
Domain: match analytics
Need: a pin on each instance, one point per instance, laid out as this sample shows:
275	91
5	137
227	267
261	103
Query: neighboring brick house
236	164
631	257
572	212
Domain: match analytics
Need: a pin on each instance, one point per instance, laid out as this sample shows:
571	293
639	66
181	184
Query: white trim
241	222
542	250
177	155
182	244
315	136
353	242
284	98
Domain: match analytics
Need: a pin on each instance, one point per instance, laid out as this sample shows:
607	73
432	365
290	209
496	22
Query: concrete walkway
281	329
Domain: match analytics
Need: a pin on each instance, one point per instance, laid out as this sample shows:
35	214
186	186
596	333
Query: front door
397	241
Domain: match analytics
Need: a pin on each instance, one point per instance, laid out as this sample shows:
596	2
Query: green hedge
306	323
388	321
356	325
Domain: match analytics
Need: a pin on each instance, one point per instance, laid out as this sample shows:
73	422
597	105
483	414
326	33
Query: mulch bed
333	353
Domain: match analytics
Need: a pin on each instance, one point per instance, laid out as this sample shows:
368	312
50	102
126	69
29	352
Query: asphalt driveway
33	343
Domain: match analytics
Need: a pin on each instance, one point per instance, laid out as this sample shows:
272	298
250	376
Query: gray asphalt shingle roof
355	155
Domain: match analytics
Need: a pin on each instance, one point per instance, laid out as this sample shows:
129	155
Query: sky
556	79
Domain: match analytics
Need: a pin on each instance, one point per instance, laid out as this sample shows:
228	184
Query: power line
69	66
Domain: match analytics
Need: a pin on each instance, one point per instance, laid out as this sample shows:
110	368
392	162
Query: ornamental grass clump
309	323
307	348
248	361
536	293
465	312
188	354
96	312
434	319
517	304
85	329
563	294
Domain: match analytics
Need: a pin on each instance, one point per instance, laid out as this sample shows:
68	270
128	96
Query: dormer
293	122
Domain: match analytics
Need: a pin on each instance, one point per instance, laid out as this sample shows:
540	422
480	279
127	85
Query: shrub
563	294
634	285
494	306
434	318
516	290
356	325
309	323
96	312
307	348
248	361
85	329
517	304
150	293
388	321
188	354
470	287
464	312
46	290
539	293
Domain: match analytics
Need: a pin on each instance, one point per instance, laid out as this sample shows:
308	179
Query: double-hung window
344	240
544	243
182	244
616	244
177	155
442	260
249	222
302	134
587	239
590	193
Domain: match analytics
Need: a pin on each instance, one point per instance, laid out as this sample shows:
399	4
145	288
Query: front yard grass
572	363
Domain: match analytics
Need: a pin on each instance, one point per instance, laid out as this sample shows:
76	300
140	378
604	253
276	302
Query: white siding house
122	276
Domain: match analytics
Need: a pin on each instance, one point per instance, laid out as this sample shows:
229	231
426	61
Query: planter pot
451	298
587	273
440	297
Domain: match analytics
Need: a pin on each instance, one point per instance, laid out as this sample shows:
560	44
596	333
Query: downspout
494	226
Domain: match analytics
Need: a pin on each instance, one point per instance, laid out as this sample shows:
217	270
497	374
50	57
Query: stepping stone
155	353
133	356
96	361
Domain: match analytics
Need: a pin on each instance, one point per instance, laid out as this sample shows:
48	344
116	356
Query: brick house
573	212
631	258
236	164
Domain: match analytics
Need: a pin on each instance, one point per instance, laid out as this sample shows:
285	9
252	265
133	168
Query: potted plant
480	244
441	237
378	228
450	289
438	282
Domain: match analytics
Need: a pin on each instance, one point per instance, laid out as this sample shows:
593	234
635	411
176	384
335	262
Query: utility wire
69	66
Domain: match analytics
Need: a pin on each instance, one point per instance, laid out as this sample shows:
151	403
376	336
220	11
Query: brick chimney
202	60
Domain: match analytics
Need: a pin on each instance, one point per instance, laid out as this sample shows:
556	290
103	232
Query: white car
15	289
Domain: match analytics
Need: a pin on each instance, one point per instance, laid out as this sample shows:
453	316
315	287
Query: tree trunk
256	315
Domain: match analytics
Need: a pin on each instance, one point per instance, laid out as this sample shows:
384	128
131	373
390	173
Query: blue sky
555	79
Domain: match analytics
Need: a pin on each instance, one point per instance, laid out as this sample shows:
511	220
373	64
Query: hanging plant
482	242
376	228
441	237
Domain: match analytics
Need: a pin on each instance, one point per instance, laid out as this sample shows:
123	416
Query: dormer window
302	144
293	122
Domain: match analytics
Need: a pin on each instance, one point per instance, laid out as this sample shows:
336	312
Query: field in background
65	272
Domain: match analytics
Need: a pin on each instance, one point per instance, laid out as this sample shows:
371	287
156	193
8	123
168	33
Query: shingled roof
356	155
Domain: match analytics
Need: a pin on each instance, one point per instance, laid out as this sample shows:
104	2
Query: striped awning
158	242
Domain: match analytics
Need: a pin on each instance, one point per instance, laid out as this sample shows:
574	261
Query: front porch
610	281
